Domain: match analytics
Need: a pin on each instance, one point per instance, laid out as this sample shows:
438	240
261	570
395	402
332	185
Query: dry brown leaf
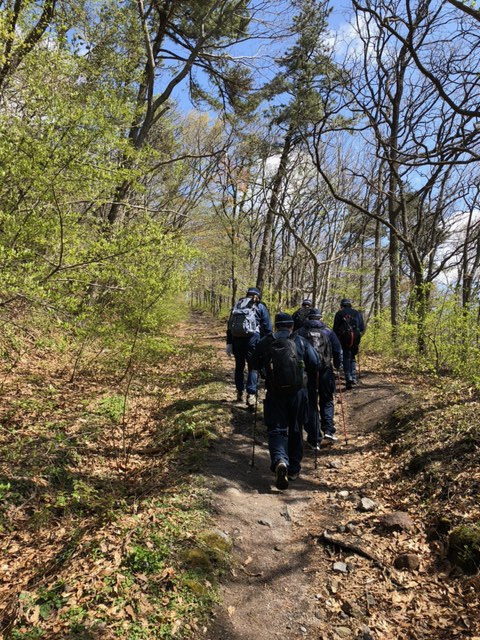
129	610
231	611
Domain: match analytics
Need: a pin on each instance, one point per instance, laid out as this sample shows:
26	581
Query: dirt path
283	584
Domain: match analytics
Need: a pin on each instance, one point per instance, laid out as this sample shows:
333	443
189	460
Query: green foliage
112	407
452	340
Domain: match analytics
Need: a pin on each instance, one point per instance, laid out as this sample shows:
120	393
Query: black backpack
287	369
300	317
243	320
320	342
347	331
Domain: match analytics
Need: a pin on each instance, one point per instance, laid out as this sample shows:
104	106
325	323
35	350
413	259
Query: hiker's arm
264	319
337	352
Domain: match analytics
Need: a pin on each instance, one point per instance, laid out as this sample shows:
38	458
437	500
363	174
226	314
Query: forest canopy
153	152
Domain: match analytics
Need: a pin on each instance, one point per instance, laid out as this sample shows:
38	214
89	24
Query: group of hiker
297	358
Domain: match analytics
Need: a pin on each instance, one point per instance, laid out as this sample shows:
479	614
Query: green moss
464	547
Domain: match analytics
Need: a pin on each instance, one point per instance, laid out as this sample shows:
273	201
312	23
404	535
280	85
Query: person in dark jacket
324	389
285	412
349	327
242	348
301	315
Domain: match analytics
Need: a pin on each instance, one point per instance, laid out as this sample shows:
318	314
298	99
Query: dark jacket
264	325
305	352
337	353
356	316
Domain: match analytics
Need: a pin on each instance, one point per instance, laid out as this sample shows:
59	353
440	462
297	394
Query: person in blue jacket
285	409
349	327
242	348
324	389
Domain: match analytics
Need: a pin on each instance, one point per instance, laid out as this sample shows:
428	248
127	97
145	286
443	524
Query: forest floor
315	562
114	517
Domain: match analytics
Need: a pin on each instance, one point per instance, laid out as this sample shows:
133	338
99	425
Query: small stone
333	464
334	586
408	561
341	528
352	609
343	494
351	528
370	600
343	632
366	504
341	567
365	633
265	523
303	630
397	521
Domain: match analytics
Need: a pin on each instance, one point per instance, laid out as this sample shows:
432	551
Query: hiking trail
285	582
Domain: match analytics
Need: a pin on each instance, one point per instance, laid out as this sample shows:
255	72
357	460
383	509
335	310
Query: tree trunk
272	211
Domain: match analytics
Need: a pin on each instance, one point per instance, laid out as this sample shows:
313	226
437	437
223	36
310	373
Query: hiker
349	326
289	363
329	351
300	316
249	321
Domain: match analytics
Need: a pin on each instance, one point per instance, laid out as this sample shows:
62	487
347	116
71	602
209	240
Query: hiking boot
281	479
348	384
239	396
330	438
293	475
313	447
250	400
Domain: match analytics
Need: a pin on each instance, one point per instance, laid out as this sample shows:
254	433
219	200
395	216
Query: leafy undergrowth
435	454
424	460
104	527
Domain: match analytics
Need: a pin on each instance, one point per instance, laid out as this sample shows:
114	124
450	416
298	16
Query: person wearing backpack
329	351
301	315
349	326
289	363
249	321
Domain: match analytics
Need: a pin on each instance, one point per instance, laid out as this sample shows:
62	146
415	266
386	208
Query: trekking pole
358	365
254	424
341	406
317	444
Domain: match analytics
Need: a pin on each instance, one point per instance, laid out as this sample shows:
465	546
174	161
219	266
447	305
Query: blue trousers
349	363
243	349
284	417
321	407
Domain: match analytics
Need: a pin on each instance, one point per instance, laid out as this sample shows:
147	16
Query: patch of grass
112	407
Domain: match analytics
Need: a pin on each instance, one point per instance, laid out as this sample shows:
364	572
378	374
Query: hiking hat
346	302
283	320
315	314
307	303
253	291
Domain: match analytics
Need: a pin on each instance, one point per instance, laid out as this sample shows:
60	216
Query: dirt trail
277	588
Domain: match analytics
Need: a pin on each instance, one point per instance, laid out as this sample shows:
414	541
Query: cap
283	320
314	313
307	303
346	302
253	291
